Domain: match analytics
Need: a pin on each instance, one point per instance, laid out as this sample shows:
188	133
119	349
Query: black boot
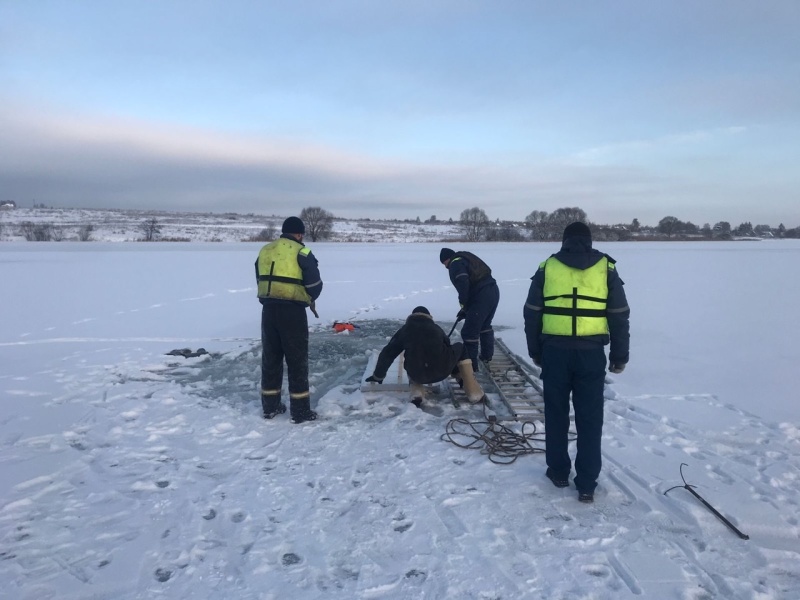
272	406
301	411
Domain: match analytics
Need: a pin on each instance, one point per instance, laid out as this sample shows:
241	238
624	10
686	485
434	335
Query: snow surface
127	473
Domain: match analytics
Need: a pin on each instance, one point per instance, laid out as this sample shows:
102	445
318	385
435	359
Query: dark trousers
284	336
581	373
478	324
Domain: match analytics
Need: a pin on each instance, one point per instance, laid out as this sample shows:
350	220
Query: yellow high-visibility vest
279	275
575	299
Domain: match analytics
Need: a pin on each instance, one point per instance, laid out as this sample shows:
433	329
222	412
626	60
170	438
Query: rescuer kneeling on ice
429	357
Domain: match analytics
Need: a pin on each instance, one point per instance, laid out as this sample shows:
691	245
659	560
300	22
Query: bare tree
536	217
85	232
561	217
669	226
536	221
36	232
722	230
151	229
504	232
318	222
26	230
763	230
475	223
267	234
57	233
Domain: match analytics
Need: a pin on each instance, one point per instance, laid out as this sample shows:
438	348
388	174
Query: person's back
543	325
429	357
288	282
576	304
478	295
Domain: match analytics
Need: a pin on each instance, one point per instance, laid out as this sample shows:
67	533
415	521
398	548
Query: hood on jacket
577	252
419	316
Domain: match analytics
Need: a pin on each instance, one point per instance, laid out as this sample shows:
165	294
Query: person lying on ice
429	357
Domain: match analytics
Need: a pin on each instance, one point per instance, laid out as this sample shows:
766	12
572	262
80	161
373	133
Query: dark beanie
577	229
293	225
446	254
421	309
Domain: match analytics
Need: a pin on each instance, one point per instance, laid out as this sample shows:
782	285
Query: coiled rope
501	444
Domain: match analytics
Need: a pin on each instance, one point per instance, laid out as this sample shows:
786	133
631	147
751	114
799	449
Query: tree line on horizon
540	225
476	226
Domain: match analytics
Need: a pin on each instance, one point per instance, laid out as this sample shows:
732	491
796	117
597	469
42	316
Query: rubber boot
417	393
472	388
272	405
300	409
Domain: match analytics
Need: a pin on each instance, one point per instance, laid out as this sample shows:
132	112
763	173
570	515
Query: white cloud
632	150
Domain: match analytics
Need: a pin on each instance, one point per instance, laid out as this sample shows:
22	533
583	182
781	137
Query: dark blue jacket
577	252
429	356
459	271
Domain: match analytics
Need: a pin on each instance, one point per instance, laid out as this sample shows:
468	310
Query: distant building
7	204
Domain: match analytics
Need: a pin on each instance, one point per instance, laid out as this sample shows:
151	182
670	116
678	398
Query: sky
625	109
128	474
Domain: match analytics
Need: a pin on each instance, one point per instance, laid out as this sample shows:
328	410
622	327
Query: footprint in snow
290	558
416	575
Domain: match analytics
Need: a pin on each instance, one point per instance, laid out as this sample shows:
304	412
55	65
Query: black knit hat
577	229
421	309
293	225
446	254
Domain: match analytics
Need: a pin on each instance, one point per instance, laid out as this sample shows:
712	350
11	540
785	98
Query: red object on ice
340	327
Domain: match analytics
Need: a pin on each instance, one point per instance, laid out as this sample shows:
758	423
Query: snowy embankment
66	224
126	473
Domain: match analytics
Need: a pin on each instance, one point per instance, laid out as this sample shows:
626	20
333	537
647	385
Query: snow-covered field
126	226
127	473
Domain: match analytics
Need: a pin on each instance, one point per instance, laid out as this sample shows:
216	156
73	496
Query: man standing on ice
478	296
429	357
288	282
576	305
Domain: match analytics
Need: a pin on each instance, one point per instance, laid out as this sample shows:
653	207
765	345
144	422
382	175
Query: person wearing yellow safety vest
575	306
288	282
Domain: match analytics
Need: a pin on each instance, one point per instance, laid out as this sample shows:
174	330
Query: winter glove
616	368
313	307
462	314
373	379
537	360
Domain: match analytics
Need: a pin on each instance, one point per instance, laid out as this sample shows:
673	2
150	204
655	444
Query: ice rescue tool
716	513
340	327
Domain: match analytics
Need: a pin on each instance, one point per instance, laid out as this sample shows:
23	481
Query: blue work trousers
478	324
581	374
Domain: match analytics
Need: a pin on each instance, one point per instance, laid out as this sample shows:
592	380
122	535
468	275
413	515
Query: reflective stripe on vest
279	275
574	299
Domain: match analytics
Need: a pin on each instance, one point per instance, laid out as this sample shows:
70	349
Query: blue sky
627	109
